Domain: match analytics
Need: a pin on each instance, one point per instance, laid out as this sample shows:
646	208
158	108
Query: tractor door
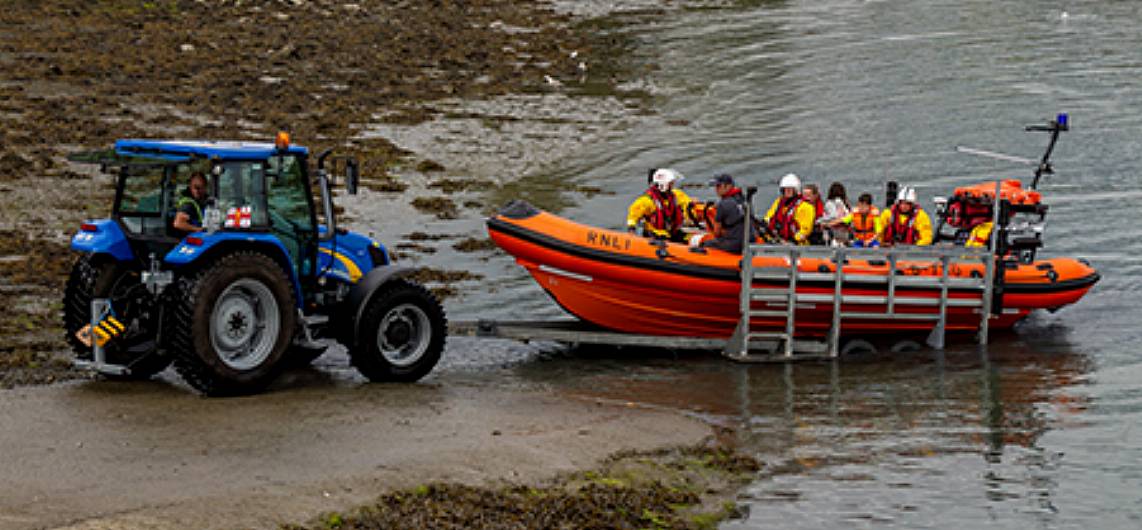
291	211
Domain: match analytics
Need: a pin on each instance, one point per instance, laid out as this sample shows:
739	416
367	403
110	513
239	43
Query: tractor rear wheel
232	323
92	277
401	334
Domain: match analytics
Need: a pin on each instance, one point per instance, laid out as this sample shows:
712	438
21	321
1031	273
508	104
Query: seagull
551	80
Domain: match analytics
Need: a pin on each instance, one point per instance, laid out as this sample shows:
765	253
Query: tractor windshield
271	194
242	189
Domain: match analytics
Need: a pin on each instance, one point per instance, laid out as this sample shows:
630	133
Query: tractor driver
191	201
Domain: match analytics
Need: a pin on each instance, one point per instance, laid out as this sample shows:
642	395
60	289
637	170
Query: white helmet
664	178
906	194
790	181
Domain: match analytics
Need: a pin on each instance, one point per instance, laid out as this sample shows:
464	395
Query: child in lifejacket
863	222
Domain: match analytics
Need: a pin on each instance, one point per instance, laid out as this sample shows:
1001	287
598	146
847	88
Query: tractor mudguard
364	290
103	237
218	243
350	253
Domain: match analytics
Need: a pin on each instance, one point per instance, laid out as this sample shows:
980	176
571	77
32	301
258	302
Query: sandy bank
113	455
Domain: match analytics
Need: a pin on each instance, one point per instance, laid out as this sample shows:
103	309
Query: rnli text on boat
606	240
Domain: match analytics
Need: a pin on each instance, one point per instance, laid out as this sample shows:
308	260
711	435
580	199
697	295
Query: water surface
1040	431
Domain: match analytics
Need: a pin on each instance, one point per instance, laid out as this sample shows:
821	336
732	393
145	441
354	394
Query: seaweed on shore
688	488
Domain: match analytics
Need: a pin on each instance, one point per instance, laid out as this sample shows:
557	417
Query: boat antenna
1056	126
1043	165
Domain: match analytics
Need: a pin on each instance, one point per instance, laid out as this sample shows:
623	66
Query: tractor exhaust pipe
326	197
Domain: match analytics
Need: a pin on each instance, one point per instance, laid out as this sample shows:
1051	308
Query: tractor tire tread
370	363
179	328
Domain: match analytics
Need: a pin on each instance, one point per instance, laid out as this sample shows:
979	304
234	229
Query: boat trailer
746	345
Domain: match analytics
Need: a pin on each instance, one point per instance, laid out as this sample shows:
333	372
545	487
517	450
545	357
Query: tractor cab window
288	194
291	217
141	199
242	195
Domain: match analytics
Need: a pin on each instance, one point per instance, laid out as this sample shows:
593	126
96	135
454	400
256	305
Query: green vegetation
684	488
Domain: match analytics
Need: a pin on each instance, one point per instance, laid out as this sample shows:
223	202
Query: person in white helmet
661	208
790	217
905	223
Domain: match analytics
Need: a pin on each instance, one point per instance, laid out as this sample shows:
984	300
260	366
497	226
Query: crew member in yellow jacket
661	208
790	217
980	234
905	223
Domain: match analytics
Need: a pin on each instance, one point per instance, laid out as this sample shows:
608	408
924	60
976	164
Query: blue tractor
242	277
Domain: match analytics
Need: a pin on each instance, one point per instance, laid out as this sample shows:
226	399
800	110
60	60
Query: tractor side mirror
352	175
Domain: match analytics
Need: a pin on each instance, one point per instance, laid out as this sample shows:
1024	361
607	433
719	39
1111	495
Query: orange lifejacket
901	232
668	214
703	214
784	220
864	225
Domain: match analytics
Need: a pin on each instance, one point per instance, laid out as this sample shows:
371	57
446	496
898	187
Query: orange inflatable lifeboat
624	282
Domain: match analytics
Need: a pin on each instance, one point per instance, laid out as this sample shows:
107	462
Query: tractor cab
253	190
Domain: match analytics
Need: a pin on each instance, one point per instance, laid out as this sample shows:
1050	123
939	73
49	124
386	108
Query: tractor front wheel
233	322
401	334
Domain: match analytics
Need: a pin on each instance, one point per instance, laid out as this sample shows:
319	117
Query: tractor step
102	367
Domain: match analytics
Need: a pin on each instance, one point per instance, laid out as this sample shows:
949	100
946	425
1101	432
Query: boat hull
627	283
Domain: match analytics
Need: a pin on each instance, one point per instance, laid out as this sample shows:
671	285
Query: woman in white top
836	207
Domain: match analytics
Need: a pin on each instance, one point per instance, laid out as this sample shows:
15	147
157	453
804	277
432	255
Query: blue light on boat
1062	120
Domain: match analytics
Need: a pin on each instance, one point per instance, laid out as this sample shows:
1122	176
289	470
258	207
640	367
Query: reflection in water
892	424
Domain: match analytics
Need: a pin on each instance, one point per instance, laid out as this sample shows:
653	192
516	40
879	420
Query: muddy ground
78	75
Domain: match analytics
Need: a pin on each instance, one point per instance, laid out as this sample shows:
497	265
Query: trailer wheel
232	323
91	278
907	346
401	334
858	348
